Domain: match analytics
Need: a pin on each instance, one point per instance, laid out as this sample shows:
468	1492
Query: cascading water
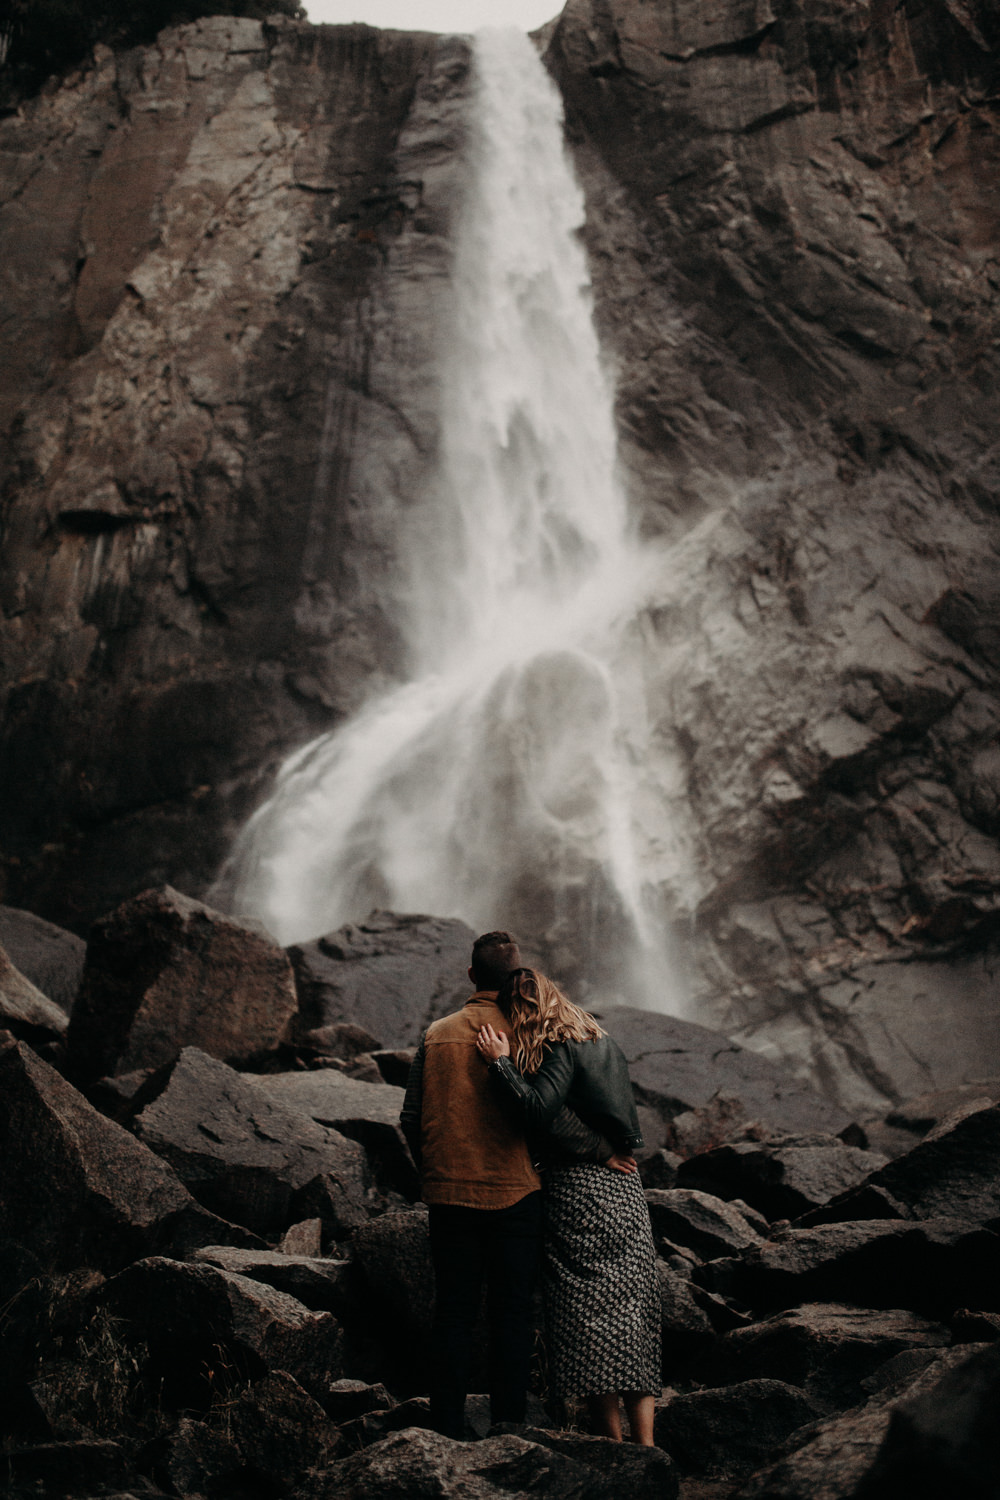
499	783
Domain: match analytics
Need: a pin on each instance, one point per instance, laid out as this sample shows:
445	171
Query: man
484	1198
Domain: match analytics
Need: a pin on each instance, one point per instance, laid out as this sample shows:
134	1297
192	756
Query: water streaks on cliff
497	783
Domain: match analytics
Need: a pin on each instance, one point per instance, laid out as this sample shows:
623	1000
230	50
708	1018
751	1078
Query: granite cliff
222	257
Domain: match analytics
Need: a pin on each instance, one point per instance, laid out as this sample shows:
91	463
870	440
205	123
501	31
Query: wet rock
954	1172
729	1432
782	1178
677	1066
193	1327
702	1223
392	974
835	1457
826	1349
24	1010
365	1112
930	1266
78	1186
243	1152
943	1439
325	1285
165	972
417	1462
641	1473
47	955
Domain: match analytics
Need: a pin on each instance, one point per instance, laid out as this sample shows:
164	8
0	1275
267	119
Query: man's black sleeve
409	1115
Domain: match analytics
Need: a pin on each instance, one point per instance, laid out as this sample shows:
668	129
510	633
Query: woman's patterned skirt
602	1302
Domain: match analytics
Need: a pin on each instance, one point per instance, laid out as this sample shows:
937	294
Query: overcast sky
435	15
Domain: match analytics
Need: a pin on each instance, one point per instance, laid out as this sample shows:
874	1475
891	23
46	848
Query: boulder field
215	1276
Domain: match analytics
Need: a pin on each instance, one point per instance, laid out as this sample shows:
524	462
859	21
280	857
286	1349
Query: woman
602	1305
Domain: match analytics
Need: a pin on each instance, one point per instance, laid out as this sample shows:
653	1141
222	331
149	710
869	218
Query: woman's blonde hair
539	1013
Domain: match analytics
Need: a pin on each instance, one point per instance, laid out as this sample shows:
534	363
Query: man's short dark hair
493	956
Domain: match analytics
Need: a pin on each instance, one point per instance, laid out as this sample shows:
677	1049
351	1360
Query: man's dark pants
502	1245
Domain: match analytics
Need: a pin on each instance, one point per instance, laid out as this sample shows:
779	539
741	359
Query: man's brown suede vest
473	1155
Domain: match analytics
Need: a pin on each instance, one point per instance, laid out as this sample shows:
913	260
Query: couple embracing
520	1116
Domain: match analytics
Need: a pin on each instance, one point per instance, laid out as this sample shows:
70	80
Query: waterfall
501	782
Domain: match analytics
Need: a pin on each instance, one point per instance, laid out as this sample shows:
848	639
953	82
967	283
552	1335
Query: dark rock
345	1399
195	1459
340	1039
969	1327
197	1329
686	1328
303	1239
49	956
704	1224
677	1066
729	1432
165	972
640	1473
378	1423
930	1266
698	1130
416	1463
243	1152
79	1187
659	1169
919	1115
365	1112
953	1173
837	1454
782	1178
280	1431
826	1349
943	1440
392	974
24	1010
322	1284
394	1065
393	1258
755	1219
84	1467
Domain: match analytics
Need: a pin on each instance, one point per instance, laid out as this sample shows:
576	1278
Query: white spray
498	784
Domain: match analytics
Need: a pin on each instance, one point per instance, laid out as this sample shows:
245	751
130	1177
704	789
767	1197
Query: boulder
48	956
943	1437
343	1039
781	1178
203	1332
416	1462
280	1431
926	1111
83	1466
377	1424
347	1399
702	1223
728	1432
640	1473
78	1187
933	1267
659	1169
836	1454
953	1173
677	1066
826	1349
686	1328
392	974
24	1010
394	1064
165	972
366	1112
243	1152
195	1459
322	1284
393	1259
697	1130
304	1238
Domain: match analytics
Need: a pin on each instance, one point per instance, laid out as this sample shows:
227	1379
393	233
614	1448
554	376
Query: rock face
164	972
391	974
218	400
